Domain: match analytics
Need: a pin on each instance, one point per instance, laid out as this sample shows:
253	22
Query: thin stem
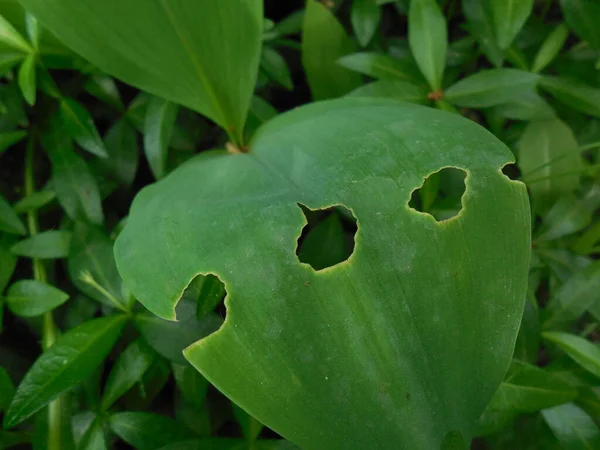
49	330
589	146
88	278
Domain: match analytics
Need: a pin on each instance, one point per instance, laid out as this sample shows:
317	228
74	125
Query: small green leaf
123	153
492	87
381	66
275	67
146	431
33	30
10	60
572	427
529	106
574	94
550	48
46	245
548	156
509	18
481	24
567	216
365	16
105	88
133	362
34	202
30	298
158	126
392	89
9	221
94	437
583	16
192	385
74	356
12	38
81	128
582	351
574	297
427	35
324	41
27	79
8	260
7	389
10	138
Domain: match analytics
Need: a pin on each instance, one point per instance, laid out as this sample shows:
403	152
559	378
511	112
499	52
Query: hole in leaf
208	293
511	171
441	194
328	237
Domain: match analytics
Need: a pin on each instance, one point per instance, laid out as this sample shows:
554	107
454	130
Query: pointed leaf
94	438
574	94
582	351
7	389
550	48
46	245
324	41
381	66
81	128
203	55
74	356
34	202
8	260
12	38
158	126
583	17
567	216
29	298
365	16
481	24
529	106
146	431
10	138
427	35
123	152
27	79
9	221
572	427
392	89
509	18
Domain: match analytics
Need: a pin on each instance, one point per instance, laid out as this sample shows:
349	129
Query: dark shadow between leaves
441	194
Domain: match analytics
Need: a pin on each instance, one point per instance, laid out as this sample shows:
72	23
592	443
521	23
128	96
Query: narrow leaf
509	18
582	351
123	153
81	128
27	79
550	48
9	221
73	358
34	202
146	431
567	216
481	24
158	126
12	38
30	298
365	16
393	89
574	94
572	427
275	67
381	66
46	245
10	138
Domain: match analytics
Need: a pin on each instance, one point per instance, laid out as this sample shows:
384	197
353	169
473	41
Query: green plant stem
49	331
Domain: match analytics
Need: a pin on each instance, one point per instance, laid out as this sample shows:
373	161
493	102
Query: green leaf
582	351
123	153
34	202
324	245
9	221
10	138
27	79
324	41
105	88
10	60
158	126
73	357
29	298
135	360
529	106
527	388
492	87
360	316
251	427
573	298
193	386
392	89
91	258
509	18
574	94
211	292
80	126
550	48
7	389
567	216
381	66
572	427
8	260
549	160
170	338
146	431
275	67
365	16
427	36
94	438
481	24
173	51
583	17
46	245
12	38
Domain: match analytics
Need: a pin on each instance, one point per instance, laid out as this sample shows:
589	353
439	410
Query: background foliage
83	365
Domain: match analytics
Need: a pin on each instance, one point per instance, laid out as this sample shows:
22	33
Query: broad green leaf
582	351
550	48
34	201
94	438
46	245
29	298
572	427
203	55
574	94
275	67
123	153
583	17
158	126
324	41
11	37
574	297
146	431
381	66
8	260
392	89
481	24
79	125
75	187
360	316
27	79
9	221
529	106
549	160
427	35
509	18
92	266
324	245
567	216
365	16
527	388
492	87
7	389
10	138
74	356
